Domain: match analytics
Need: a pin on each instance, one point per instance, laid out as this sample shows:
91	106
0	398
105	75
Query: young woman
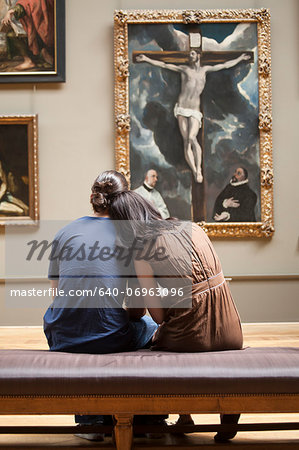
189	270
201	315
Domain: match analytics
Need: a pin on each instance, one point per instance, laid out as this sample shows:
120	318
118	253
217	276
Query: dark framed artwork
19	193
32	41
193	102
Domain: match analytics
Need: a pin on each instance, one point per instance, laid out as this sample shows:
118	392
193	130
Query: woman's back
212	321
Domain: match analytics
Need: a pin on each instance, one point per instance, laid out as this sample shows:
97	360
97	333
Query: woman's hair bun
105	188
99	200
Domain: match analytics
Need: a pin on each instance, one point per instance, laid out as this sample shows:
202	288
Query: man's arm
162	64
134	305
227	64
54	286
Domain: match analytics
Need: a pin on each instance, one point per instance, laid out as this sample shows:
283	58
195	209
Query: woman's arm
147	281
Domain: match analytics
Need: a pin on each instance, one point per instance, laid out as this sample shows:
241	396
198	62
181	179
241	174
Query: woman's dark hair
142	220
106	187
110	191
131	206
134	218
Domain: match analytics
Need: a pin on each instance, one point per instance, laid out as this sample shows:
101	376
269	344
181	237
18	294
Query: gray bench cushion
249	371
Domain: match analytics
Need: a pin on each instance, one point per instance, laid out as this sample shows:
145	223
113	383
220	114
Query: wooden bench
253	380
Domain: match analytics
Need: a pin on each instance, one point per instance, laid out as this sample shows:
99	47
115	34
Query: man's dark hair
245	172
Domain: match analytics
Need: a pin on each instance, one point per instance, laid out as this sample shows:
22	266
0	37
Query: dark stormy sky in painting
230	107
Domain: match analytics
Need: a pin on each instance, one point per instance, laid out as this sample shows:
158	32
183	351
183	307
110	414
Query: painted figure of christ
187	109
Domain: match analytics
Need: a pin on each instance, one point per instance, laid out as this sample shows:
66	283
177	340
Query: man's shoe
156	421
150	420
99	437
184	419
153	419
224	436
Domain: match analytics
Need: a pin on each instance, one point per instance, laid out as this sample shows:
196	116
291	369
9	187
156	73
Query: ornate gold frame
265	228
32	144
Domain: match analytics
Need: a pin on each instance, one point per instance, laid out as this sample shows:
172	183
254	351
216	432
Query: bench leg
123	431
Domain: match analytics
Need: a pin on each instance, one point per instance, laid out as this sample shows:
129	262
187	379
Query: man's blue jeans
143	331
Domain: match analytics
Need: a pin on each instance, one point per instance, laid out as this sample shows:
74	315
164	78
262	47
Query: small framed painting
32	41
19	194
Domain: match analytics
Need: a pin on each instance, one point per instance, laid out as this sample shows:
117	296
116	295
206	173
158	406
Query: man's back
89	312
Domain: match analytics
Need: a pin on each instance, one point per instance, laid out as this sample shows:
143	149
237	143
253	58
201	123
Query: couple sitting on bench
124	251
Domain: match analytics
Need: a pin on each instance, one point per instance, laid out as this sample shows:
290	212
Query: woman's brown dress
212	321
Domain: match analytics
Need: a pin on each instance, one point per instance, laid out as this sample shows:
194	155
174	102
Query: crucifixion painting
194	57
187	109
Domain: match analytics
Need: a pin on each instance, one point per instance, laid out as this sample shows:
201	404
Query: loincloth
187	112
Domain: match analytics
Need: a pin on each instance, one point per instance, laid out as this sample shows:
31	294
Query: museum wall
76	139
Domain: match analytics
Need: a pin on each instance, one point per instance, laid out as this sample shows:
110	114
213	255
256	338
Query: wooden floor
255	335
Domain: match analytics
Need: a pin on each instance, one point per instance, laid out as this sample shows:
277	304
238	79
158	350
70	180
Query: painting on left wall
32	41
18	170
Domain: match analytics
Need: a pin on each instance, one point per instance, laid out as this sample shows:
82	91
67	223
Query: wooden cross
182	57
